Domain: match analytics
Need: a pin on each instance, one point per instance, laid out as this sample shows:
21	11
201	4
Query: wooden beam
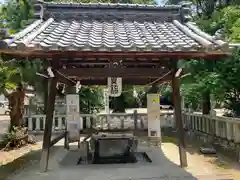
125	62
58	138
48	124
113	72
126	81
178	118
65	80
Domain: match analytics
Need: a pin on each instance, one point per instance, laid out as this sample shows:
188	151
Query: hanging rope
151	83
66	77
146	85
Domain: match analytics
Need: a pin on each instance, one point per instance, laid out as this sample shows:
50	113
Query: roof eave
149	54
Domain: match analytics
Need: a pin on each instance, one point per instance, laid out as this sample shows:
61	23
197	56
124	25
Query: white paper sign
114	86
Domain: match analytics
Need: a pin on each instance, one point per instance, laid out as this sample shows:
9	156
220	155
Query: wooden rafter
125	81
113	72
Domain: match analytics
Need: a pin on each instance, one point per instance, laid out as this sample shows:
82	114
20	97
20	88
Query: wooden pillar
45	91
48	124
178	118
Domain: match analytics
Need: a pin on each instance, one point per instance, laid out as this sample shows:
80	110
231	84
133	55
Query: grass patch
169	139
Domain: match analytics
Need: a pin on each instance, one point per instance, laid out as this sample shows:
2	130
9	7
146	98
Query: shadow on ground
26	160
19	164
221	159
22	163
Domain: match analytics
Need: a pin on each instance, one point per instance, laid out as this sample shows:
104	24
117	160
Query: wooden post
178	118
135	117
48	124
46	89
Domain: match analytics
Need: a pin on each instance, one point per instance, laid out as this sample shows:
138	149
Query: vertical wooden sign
74	123
153	112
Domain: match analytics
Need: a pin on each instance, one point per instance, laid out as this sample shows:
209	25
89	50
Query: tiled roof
112	27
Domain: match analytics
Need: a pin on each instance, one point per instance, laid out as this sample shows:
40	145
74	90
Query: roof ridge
45	10
69	3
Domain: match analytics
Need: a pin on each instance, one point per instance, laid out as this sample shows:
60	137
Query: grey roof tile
93	30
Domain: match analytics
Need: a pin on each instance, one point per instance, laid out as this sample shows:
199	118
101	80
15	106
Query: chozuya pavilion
91	42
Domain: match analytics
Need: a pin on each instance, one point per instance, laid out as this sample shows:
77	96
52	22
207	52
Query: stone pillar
217	128
229	130
236	132
183	104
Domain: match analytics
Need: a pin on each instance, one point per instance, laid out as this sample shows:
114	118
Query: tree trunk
16	106
118	104
206	103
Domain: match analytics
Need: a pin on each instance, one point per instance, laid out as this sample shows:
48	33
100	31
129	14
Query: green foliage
16	14
16	137
219	78
91	99
227	19
229	82
7	76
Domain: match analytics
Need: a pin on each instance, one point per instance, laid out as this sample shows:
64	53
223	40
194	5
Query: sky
158	1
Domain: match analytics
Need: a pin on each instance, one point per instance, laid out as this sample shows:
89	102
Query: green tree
91	99
15	14
205	78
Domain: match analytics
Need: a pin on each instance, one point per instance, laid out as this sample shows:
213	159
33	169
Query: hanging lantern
114	86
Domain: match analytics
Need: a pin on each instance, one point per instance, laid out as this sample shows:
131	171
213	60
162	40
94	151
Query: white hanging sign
114	86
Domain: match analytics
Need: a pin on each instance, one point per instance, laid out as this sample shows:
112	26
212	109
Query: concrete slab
62	166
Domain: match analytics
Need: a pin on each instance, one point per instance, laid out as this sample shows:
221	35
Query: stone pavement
63	166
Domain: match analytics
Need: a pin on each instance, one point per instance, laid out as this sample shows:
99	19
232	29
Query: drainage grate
142	157
136	157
